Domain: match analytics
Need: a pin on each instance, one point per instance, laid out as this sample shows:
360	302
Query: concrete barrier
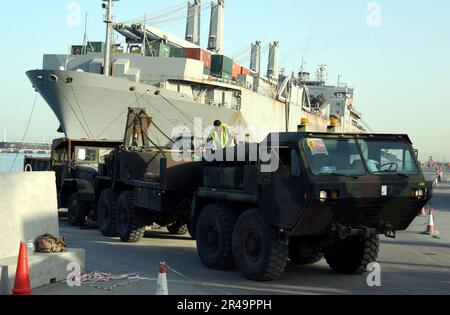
28	208
44	268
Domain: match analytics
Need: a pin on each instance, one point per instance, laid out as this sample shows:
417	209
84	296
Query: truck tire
258	253
298	257
77	210
107	213
352	256
190	229
178	228
214	232
129	226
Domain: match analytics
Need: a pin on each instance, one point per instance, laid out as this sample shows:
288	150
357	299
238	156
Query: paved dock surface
411	264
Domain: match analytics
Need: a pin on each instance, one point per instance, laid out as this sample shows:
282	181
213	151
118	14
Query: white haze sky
399	63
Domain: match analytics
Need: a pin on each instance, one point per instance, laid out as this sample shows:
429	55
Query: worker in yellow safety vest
222	136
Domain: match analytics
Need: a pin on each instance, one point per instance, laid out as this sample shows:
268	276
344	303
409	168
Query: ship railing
240	83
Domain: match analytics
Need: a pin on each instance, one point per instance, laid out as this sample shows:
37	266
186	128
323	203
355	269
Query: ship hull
93	106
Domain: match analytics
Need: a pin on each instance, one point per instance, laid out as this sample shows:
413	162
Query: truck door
59	165
280	188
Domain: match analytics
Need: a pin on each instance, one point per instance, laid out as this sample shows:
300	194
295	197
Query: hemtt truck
140	185
331	197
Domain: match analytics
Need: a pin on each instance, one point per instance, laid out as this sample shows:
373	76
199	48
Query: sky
396	53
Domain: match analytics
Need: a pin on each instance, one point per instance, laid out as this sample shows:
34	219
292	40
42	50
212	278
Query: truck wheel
299	257
78	210
130	228
352	256
107	213
214	232
257	251
178	228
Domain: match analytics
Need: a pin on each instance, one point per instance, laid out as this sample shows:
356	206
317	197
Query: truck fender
68	188
198	203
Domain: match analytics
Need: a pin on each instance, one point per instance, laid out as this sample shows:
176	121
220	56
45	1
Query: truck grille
362	217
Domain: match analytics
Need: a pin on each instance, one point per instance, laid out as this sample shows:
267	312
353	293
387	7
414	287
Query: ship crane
136	32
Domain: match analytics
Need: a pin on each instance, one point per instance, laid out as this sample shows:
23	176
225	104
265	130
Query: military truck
141	185
75	163
330	196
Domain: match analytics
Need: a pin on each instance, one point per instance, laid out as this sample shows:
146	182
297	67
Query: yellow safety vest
222	140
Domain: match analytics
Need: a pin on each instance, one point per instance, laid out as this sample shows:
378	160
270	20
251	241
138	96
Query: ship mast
109	26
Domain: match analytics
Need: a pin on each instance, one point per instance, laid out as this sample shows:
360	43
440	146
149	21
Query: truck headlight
420	193
323	196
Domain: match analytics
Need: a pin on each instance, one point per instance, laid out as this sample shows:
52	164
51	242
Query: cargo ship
179	83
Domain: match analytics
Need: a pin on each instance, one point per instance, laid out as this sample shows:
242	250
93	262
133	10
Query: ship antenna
144	42
109	26
302	69
84	52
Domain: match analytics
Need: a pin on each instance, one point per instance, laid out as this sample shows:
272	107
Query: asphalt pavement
412	263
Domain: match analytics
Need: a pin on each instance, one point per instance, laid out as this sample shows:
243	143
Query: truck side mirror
81	156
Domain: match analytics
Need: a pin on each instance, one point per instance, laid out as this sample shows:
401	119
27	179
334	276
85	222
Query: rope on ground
193	280
93	279
26	132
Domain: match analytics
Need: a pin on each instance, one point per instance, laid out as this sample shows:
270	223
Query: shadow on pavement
416	243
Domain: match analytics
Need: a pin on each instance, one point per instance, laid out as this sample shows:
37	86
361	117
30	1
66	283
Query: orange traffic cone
161	286
431	228
22	284
422	213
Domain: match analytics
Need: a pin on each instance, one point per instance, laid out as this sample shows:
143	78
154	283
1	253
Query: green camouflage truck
330	196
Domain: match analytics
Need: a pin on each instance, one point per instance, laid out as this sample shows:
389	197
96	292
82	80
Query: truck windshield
333	157
86	155
103	153
383	156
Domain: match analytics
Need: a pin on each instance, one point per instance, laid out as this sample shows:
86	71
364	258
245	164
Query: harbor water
7	160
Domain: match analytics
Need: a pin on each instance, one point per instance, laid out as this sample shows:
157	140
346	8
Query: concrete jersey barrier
28	208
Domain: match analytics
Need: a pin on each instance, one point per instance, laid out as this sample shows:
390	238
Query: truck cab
76	163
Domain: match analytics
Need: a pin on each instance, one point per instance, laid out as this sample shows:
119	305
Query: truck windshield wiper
393	172
340	174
